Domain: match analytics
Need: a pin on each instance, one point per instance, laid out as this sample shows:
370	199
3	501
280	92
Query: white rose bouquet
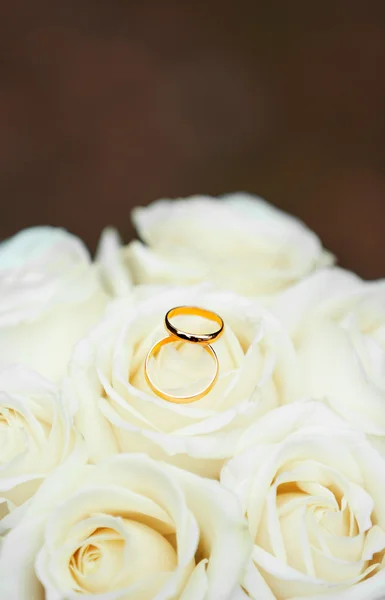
198	415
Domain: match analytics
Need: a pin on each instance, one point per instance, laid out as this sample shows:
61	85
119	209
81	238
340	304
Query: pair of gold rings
177	335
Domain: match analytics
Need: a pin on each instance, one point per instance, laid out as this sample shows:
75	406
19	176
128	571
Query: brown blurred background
108	104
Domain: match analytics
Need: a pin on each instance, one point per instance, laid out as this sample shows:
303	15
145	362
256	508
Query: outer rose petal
331	371
238	242
233	532
337	323
327	291
46	345
110	259
50	295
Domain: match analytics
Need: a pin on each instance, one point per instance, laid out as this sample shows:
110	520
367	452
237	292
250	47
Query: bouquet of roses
199	415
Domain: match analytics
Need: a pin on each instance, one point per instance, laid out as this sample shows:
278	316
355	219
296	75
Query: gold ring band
187	336
179	399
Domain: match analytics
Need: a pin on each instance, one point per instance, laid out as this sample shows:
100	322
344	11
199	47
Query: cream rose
36	435
238	242
337	322
119	413
313	492
129	528
50	295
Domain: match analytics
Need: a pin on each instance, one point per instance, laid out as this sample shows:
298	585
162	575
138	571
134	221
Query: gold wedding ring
195	338
177	335
179	399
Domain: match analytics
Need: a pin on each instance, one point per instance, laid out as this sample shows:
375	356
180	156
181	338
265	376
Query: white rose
49	297
36	434
129	528
337	322
119	413
238	242
313	491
